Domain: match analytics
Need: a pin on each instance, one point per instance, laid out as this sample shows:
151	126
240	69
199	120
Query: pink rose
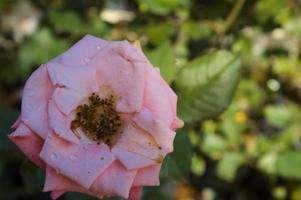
99	119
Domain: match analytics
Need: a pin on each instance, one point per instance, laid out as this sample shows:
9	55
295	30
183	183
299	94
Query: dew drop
98	47
86	59
53	156
73	158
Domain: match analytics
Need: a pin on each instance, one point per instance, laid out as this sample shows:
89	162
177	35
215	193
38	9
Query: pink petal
136	192
67	100
148	176
80	163
29	143
177	123
79	78
132	160
17	122
83	51
60	124
156	98
36	93
115	181
137	141
163	135
128	51
172	97
58	182
171	94
56	194
117	68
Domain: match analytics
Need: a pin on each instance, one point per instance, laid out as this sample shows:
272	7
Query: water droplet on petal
86	59
98	47
73	158
53	156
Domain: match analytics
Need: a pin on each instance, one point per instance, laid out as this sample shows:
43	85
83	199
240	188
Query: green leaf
250	90
282	115
40	48
232	128
228	165
66	21
75	195
158	33
206	86
177	164
32	176
8	117
213	145
164	58
198	165
197	30
288	164
162	7
267	163
153	192
277	10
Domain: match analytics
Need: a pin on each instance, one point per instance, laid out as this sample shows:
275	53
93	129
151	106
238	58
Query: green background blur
242	137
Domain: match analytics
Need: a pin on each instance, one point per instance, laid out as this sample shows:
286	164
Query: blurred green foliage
235	65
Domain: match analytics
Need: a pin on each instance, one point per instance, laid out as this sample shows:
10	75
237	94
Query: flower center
98	119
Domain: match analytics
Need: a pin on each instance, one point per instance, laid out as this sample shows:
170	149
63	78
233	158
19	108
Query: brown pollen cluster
98	119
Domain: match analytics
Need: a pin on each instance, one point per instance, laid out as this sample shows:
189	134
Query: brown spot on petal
147	135
159	159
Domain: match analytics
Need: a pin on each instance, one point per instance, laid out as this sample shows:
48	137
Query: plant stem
233	14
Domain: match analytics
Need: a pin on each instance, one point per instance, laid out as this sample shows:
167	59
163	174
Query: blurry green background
242	137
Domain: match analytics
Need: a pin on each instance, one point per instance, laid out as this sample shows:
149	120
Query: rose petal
17	122
80	163
104	185
84	50
115	181
155	73
58	182
60	124
156	98
56	194
116	69
177	123
79	78
36	93
67	100
172	97
148	176
131	160
129	52
163	135
135	192
29	143
140	142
